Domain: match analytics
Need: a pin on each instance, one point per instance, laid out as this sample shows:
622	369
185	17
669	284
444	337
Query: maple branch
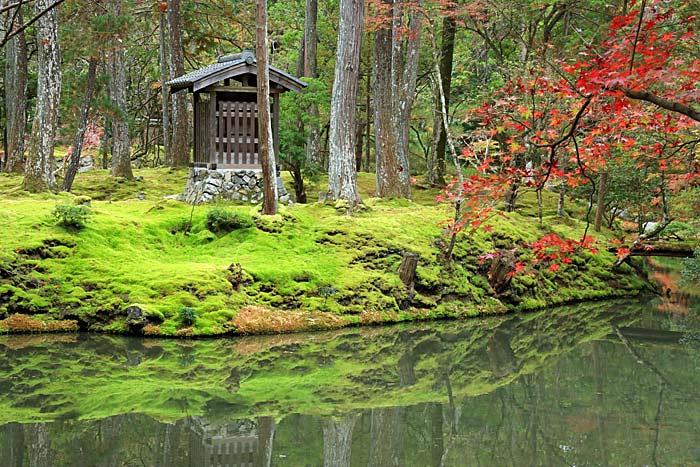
572	129
662	102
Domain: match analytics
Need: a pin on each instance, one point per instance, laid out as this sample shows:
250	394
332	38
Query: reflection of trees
337	440
12	450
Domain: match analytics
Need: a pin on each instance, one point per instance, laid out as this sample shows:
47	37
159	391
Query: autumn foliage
629	98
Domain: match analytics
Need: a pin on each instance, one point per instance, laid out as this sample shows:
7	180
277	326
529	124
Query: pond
605	384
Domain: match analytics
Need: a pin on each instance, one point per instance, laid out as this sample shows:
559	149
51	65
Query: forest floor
310	267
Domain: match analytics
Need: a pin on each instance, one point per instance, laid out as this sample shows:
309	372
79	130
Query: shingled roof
231	66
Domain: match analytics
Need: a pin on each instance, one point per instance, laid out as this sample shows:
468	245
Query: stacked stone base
209	185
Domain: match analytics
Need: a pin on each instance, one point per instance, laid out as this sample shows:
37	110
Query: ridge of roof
224	62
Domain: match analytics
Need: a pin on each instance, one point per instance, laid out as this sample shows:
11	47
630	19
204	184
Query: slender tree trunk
447	48
265	144
39	168
121	143
562	197
180	147
313	146
82	126
342	177
394	92
600	205
16	98
164	94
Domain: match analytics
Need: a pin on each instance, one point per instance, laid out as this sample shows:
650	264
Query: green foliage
222	221
72	216
188	315
691	268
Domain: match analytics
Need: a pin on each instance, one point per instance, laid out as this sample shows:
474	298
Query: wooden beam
212	127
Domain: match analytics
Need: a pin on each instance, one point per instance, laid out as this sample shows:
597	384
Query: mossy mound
340	270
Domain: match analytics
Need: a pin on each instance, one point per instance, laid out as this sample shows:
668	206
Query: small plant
188	315
223	221
69	215
327	291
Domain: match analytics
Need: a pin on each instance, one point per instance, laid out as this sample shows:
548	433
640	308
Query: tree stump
501	272
407	272
235	276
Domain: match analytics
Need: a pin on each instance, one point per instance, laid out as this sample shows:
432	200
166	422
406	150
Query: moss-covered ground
309	267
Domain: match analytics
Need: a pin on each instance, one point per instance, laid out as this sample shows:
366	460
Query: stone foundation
208	185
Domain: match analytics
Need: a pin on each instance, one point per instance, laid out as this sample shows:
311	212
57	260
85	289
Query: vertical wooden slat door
202	142
221	136
236	134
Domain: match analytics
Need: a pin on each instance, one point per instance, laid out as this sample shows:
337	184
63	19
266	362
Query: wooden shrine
225	110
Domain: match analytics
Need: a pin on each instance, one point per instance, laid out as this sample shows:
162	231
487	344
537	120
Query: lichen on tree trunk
342	176
39	168
16	98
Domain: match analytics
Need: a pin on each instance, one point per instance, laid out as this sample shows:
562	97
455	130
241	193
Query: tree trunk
342	177
600	205
12	449
164	94
562	197
394	92
266	429
39	168
82	126
16	98
447	48
265	144
180	147
121	144
386	433
313	146
337	440
37	434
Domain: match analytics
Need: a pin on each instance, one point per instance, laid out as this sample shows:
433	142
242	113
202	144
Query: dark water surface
614	384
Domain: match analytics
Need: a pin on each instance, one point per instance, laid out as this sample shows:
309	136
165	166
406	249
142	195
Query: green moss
148	252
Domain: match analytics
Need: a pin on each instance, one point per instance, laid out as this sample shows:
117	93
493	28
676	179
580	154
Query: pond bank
154	266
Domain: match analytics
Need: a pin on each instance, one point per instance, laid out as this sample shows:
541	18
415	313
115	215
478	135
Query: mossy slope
309	258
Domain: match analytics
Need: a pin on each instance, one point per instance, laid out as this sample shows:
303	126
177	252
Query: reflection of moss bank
307	258
89	376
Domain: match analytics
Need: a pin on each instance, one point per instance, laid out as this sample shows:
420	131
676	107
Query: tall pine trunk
265	144
342	176
121	143
313	144
39	168
16	98
82	126
394	92
180	148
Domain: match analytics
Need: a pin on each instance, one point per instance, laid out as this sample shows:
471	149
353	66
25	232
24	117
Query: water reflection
586	386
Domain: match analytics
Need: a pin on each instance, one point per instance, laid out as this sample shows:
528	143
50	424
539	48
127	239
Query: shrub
188	315
69	215
223	221
691	269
